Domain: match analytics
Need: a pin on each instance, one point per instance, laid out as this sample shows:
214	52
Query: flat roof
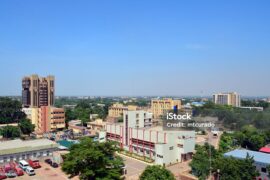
18	145
259	157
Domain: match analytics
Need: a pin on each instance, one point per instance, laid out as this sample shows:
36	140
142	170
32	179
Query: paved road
214	141
134	167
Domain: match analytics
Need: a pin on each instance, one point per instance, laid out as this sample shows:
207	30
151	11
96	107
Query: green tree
156	172
201	161
26	126
70	115
10	132
229	168
10	111
92	160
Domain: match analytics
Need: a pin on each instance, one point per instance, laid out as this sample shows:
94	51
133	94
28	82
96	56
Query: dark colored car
48	161
54	165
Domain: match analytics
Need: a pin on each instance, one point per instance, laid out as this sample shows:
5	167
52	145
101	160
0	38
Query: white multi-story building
136	135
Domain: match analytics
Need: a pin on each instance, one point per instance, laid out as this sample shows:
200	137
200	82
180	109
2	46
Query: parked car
54	165
11	173
30	171
48	161
16	168
34	163
23	164
2	174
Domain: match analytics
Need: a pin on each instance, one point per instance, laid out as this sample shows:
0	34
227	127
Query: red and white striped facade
149	141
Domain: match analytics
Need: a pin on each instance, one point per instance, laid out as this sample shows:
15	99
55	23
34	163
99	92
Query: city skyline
151	48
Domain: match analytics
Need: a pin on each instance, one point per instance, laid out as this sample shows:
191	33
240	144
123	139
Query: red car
16	168
34	163
2	174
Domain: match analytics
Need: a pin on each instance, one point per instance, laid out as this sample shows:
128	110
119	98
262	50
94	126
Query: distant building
232	99
38	100
96	125
76	126
116	110
261	160
136	135
161	106
37	91
16	150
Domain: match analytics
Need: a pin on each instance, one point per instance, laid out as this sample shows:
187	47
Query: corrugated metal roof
18	146
258	157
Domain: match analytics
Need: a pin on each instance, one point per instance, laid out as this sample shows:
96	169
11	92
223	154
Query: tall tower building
37	91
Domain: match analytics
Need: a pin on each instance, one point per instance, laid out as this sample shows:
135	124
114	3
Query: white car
23	164
30	171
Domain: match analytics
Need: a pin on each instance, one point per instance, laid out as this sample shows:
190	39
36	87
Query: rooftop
259	157
265	149
17	145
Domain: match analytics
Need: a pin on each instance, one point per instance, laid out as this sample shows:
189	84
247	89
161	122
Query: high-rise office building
37	91
232	99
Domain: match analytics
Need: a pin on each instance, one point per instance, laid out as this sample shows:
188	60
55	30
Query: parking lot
46	172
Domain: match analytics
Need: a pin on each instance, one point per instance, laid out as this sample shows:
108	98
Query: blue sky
104	47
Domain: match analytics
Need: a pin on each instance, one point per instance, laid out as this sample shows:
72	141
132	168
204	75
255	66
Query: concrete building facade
161	106
50	119
136	135
116	110
231	98
37	91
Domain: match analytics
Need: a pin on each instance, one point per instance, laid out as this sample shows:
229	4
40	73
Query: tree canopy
156	172
93	160
235	118
10	132
26	126
226	168
10	111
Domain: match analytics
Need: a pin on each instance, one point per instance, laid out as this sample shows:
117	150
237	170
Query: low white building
261	160
136	135
15	150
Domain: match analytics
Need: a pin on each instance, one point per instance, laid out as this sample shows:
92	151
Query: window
263	170
180	145
171	148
